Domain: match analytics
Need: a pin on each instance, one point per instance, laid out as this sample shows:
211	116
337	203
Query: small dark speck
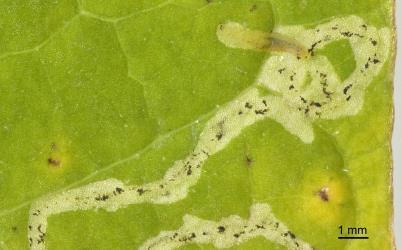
240	112
248	105
374	42
261	111
345	90
317	104
102	197
323	193
253	8
347	34
291	235
236	235
311	49
219	135
291	87
140	191
348	98
281	70
174	235
375	61
53	162
119	190
221	229
249	160
14	228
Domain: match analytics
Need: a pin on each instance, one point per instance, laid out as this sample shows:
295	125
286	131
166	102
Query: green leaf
195	124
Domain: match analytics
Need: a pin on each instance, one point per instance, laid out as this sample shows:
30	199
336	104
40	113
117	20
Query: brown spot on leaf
249	161
54	162
323	194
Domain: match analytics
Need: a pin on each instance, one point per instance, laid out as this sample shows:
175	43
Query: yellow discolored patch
234	35
56	156
326	194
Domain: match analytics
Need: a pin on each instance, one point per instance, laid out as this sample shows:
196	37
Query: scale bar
353	237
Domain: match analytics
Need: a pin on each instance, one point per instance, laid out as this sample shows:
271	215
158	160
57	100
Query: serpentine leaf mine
306	87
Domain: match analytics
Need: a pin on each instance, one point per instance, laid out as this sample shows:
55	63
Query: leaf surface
97	90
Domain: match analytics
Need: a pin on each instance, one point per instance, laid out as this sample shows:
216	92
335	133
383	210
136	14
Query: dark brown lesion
323	193
53	162
249	160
